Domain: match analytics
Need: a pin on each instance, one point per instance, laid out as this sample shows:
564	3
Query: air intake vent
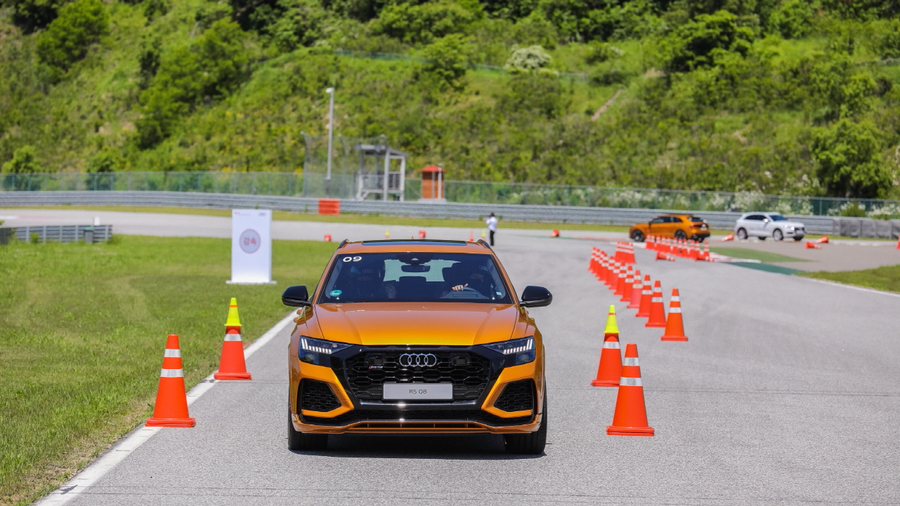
516	396
317	396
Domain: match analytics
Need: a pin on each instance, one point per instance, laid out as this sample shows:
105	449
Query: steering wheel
466	293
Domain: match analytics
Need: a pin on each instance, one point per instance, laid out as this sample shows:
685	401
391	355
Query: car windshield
415	277
777	217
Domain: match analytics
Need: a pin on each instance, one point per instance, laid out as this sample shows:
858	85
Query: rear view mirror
536	296
296	296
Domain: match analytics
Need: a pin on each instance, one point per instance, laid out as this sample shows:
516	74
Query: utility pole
330	91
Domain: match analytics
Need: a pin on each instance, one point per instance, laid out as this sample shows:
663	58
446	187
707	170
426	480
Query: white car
764	225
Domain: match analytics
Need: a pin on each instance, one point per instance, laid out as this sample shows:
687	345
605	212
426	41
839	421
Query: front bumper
489	396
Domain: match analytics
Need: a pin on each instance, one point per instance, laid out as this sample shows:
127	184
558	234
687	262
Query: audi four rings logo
418	360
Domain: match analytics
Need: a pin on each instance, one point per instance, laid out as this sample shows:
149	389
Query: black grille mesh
367	372
516	396
317	396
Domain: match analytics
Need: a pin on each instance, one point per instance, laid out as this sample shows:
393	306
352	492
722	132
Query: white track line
852	287
117	453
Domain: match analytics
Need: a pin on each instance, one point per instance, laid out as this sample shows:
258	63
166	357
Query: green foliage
423	23
23	162
212	66
530	93
886	38
446	62
301	23
792	19
32	15
848	155
863	9
69	36
698	43
842	90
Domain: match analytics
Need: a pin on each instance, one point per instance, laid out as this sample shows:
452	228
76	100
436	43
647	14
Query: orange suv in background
676	226
416	337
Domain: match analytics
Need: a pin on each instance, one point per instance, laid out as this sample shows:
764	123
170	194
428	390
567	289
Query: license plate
418	392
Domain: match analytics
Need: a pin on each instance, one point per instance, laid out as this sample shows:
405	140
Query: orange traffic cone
635	301
646	298
232	366
327	237
610	368
471	237
554	233
620	281
812	245
674	324
630	418
657	311
612	275
663	256
628	253
421	234
171	409
626	288
729	237
822	240
898	243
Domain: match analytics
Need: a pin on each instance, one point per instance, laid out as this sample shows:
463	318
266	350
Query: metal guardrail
64	233
343	186
852	227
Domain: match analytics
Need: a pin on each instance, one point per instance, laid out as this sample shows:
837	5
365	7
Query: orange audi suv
416	337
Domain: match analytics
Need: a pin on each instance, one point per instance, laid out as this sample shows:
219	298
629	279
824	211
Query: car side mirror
296	296
535	296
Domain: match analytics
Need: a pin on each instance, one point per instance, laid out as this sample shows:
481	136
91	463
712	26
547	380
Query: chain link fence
311	184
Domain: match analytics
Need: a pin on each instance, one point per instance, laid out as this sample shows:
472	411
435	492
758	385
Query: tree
696	44
423	23
847	155
446	61
23	163
69	36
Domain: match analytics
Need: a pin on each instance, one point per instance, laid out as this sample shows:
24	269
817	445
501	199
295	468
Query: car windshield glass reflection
415	277
777	217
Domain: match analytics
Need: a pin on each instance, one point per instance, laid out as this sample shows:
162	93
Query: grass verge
84	333
882	278
750	254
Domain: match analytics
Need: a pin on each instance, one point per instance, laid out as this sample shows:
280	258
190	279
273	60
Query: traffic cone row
668	249
171	409
648	300
624	252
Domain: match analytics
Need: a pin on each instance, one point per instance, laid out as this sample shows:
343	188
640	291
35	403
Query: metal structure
377	178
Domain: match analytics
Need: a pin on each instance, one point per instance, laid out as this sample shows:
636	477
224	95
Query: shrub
68	37
791	19
423	23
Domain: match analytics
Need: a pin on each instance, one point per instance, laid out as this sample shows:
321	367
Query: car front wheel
298	441
529	444
777	235
637	236
742	234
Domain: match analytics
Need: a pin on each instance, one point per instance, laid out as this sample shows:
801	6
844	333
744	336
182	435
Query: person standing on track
492	226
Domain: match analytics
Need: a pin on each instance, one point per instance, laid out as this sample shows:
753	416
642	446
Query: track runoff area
768	389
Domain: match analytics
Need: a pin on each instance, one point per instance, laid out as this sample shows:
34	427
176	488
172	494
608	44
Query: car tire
298	441
777	235
798	239
742	234
679	234
637	236
529	444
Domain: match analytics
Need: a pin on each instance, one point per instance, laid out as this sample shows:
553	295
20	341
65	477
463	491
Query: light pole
330	91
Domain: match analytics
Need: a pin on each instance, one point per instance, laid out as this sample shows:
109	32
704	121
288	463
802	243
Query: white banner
251	246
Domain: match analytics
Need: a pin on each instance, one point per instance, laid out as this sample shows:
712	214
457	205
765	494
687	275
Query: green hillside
774	96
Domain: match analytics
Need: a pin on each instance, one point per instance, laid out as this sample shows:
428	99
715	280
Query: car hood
447	323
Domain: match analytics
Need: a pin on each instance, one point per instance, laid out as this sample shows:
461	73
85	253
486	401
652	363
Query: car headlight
316	351
521	349
789	228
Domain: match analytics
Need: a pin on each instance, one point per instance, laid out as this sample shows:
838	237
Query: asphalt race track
787	392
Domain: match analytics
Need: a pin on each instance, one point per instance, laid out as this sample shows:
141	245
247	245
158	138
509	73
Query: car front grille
317	396
516	396
367	372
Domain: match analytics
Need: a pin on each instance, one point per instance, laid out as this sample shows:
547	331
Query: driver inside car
474	279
